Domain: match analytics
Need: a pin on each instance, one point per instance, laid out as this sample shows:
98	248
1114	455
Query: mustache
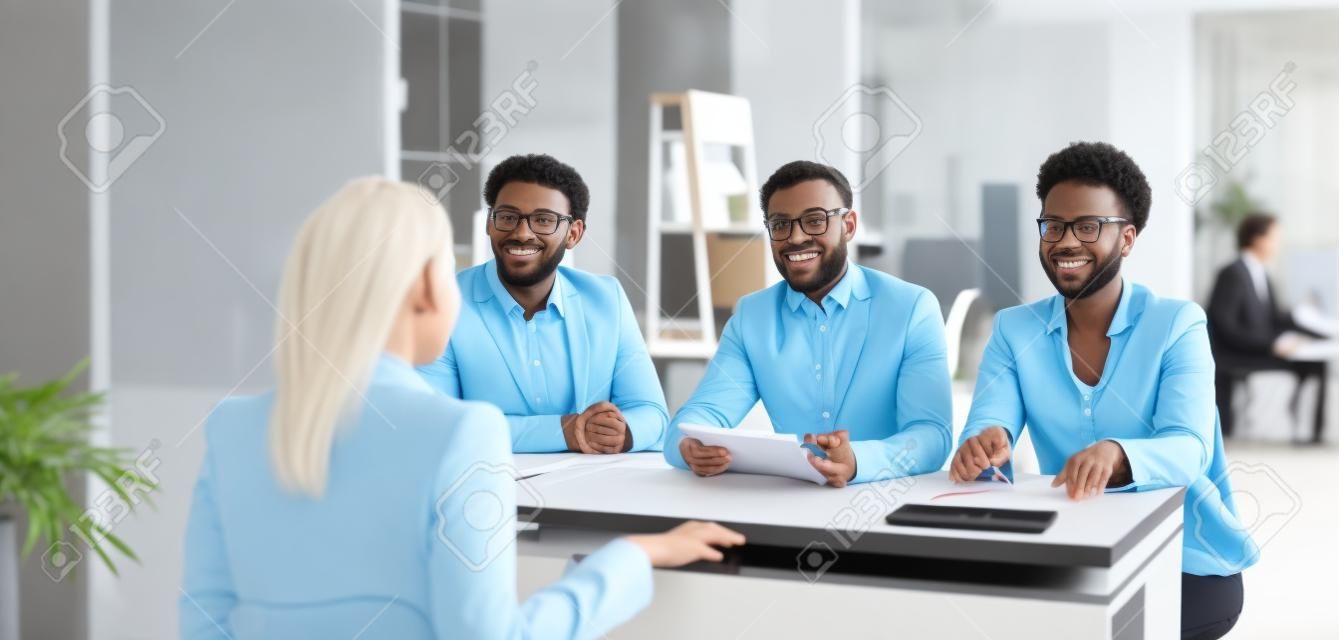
803	247
1068	253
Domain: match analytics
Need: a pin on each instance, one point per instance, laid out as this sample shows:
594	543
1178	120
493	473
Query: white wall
268	109
574	115
998	96
1151	91
794	60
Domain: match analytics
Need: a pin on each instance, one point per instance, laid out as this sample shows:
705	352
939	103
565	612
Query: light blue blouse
1155	399
414	537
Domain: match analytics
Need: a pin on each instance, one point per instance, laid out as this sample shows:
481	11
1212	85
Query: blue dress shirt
395	548
871	360
585	347
1155	399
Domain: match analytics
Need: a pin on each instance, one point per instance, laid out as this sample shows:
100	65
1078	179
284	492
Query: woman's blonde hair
351	267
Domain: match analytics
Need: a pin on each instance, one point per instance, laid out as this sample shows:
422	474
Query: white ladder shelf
737	251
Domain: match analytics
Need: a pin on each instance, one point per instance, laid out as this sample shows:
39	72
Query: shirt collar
1127	310
853	283
510	305
1252	263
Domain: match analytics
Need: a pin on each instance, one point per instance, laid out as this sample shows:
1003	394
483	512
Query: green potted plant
44	445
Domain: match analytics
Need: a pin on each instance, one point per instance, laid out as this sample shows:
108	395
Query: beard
544	270
831	264
1102	275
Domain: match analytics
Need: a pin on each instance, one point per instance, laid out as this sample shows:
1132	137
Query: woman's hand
687	543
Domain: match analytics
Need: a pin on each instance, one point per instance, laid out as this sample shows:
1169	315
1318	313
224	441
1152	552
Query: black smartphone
975	518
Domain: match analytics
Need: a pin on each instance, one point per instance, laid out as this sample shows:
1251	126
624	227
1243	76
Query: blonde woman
353	500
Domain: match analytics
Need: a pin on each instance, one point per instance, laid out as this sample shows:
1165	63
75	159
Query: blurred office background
222	123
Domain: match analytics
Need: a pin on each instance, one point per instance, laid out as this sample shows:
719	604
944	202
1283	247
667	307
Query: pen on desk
999	475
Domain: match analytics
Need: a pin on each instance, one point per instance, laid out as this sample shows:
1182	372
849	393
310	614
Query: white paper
771	454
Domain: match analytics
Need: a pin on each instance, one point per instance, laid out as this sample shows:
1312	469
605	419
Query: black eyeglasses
814	223
1086	230
543	223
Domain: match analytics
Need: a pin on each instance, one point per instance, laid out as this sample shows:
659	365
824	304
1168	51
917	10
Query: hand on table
978	453
601	428
1088	472
839	467
687	543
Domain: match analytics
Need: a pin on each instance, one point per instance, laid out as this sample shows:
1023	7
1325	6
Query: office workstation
739	319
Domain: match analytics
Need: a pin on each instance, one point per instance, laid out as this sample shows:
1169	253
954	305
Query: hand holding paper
704	460
773	454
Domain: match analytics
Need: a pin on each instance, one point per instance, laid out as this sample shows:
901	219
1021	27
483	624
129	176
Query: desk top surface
640	493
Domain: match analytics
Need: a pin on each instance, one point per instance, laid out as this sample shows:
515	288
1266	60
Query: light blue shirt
539	340
395	548
1155	399
585	347
870	360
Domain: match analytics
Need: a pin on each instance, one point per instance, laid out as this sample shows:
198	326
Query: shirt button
1085	396
818	376
538	399
826	415
1087	411
823	328
536	363
818	367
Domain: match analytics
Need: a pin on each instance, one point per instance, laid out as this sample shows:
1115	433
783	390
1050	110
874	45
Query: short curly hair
1099	164
793	173
545	171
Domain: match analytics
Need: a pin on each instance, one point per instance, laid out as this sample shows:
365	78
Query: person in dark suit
1248	330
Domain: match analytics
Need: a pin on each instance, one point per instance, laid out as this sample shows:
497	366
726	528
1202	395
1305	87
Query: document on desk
758	452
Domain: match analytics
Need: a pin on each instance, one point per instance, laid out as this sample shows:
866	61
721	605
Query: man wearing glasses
1116	383
852	358
557	349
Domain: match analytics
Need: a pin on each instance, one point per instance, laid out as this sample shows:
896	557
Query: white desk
821	562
